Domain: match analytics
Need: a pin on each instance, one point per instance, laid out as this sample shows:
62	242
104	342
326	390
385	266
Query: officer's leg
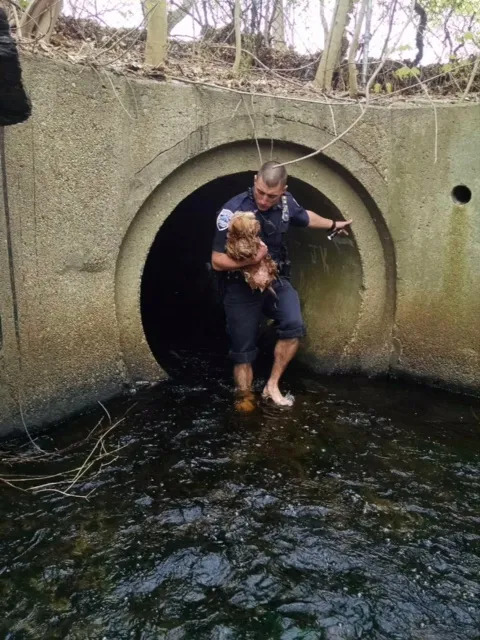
243	309
286	312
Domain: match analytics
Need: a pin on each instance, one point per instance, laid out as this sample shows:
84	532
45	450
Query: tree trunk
331	54
7	7
40	17
352	65
278	26
366	41
157	28
237	23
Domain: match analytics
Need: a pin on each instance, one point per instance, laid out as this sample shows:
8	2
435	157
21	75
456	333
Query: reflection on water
354	515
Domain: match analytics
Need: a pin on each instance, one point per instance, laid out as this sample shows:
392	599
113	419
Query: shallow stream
354	515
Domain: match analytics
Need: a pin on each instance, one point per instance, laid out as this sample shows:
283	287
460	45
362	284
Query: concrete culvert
163	301
180	311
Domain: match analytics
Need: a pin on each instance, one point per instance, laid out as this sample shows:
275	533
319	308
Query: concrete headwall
105	159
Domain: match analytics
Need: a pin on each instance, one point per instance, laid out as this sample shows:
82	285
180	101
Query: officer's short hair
273	175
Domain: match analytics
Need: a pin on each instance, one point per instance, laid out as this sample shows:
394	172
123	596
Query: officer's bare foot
273	393
244	401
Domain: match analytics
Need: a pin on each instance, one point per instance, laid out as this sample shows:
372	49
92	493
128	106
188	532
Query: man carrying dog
275	210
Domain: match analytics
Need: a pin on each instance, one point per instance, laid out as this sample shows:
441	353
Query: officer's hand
261	253
341	226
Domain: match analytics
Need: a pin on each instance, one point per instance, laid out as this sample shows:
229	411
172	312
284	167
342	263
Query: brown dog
243	243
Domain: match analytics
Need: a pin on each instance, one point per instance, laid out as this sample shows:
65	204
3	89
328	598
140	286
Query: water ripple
353	515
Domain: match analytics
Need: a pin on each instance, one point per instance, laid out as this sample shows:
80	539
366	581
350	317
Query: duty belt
232	276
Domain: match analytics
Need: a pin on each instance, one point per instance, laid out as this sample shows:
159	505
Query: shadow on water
353	515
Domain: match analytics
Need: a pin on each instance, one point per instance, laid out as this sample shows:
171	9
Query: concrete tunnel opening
181	313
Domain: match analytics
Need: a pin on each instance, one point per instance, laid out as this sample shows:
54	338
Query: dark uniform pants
243	310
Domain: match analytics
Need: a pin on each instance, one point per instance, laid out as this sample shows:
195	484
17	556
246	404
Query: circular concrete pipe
346	286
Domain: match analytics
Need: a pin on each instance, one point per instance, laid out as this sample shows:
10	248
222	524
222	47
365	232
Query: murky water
354	515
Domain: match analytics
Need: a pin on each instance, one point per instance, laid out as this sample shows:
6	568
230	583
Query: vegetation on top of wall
244	47
269	70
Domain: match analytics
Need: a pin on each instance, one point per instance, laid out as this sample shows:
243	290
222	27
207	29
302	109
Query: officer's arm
317	222
221	262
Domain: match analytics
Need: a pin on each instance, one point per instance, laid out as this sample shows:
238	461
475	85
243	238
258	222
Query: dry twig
64	482
472	77
253	127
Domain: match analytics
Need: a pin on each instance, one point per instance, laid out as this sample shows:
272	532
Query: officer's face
265	196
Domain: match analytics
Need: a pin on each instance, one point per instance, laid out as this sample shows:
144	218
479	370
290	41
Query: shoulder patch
223	219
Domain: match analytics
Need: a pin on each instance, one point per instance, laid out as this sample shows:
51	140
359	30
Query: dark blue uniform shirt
274	222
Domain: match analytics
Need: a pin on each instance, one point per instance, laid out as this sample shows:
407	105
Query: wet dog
243	243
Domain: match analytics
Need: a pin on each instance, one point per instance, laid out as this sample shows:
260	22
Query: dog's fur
243	243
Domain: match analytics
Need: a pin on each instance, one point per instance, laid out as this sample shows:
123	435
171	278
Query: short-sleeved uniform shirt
273	223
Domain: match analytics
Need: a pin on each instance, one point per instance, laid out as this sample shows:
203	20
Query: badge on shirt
223	219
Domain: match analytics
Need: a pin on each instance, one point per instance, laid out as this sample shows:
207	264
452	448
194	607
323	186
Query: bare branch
238	38
175	17
352	66
324	23
64	482
420	32
476	65
253	128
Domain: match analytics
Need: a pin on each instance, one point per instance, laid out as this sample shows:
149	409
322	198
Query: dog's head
244	225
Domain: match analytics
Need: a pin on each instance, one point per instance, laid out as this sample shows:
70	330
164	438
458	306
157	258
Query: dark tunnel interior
181	312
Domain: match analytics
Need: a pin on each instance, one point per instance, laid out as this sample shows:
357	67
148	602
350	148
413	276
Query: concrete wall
105	159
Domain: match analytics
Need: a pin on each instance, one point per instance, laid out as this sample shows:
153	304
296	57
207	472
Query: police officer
275	209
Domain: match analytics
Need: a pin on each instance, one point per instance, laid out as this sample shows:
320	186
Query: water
354	515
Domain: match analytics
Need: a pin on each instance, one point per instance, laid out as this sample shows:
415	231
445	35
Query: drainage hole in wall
461	194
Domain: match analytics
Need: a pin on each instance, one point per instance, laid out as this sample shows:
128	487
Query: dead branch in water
66	482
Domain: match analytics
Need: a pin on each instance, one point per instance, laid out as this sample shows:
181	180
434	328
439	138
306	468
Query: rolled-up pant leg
243	310
285	310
